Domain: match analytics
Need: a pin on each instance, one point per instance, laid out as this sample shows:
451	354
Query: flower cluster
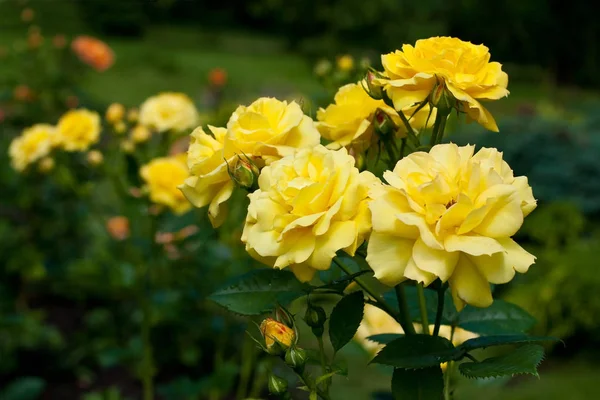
162	176
169	111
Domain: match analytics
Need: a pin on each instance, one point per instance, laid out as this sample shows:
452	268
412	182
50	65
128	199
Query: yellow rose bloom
209	182
115	113
269	128
33	144
78	129
95	157
349	122
308	206
463	67
275	332
345	62
140	134
162	176
169	112
449	214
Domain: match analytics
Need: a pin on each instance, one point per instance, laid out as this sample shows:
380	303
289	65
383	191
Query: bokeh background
69	319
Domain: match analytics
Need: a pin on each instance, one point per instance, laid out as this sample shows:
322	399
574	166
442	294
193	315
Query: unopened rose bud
315	316
115	113
120	127
245	173
384	125
296	358
140	134
277	385
442	98
373	87
46	165
278	336
95	158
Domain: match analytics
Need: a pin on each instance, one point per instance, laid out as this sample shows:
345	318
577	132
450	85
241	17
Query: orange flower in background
27	15
217	77
93	52
35	39
118	227
2	115
72	101
59	41
23	93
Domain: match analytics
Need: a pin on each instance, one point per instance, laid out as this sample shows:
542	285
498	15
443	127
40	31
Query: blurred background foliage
69	317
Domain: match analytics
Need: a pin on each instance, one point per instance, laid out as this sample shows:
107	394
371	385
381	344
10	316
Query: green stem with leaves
405	320
448	373
440	310
438	128
410	132
423	308
323	362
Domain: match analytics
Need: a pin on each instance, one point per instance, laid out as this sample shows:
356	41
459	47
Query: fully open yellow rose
162	176
309	205
450	214
463	67
78	129
349	122
34	143
270	129
209	182
169	112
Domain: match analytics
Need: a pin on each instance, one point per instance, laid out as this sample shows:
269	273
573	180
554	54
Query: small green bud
296	358
315	316
245	173
277	385
374	88
384	126
442	98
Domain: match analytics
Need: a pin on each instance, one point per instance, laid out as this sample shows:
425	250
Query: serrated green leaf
417	351
523	360
345	319
421	384
498	319
384	338
259	291
501	340
26	388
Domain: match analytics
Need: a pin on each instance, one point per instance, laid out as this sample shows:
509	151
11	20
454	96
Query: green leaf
417	351
421	384
26	388
345	319
501	340
259	291
384	338
498	319
523	360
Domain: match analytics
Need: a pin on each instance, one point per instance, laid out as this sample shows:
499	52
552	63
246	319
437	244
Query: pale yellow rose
349	122
78	129
209	182
450	214
463	67
95	157
308	206
34	143
270	129
169	112
162	177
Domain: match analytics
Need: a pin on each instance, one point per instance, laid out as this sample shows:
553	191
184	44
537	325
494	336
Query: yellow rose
450	214
95	157
162	176
140	134
349	122
209	182
269	128
463	67
345	62
33	144
308	206
78	129
169	112
275	332
115	113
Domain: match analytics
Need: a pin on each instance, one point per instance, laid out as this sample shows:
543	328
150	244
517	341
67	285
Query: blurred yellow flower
133	115
115	113
33	144
308	206
140	134
95	157
269	128
276	333
345	62
450	214
322	67
46	164
127	146
169	111
462	67
162	176
209	182
78	129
